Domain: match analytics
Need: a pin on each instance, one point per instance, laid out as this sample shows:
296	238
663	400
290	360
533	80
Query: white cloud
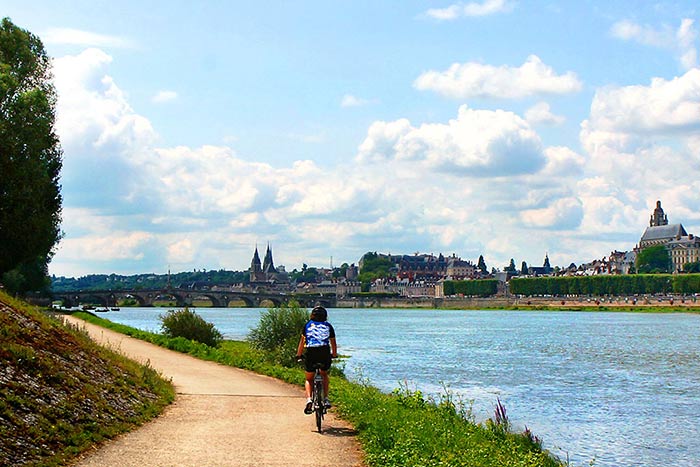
458	10
477	143
541	113
68	36
164	96
102	137
562	162
681	41
565	213
349	100
461	81
664	106
480	183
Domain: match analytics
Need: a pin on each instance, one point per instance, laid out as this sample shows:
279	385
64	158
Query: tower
255	268
658	218
268	266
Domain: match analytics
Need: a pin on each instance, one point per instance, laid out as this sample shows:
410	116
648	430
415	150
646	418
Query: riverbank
396	429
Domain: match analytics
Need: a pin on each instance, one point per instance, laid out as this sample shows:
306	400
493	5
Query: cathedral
265	271
683	248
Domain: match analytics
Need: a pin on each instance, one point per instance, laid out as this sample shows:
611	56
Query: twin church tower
265	271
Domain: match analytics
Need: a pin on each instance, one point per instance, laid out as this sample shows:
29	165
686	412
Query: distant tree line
194	279
472	288
628	284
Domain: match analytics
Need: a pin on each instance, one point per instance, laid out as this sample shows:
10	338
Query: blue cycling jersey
318	333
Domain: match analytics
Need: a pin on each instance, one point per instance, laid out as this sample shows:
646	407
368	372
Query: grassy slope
400	429
60	393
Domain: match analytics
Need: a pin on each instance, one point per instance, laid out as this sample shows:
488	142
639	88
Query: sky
193	132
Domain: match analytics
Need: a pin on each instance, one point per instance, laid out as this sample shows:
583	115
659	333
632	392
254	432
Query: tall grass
396	430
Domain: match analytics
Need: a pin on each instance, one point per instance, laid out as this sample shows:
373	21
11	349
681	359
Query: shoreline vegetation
399	429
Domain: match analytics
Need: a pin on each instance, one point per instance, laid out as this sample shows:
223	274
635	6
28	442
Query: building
265	271
683	250
621	262
458	269
659	232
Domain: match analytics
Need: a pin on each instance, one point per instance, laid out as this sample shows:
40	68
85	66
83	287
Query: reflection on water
620	388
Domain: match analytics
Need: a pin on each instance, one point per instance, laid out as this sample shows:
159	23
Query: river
619	389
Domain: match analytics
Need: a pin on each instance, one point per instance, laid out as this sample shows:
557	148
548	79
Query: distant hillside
60	393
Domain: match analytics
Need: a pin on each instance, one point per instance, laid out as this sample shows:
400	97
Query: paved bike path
222	416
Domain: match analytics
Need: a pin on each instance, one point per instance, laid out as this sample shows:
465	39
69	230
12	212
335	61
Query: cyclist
318	337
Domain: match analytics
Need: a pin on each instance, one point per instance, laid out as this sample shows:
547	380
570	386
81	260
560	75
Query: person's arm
334	348
300	348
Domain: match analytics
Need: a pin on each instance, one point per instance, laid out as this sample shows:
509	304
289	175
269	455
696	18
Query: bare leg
308	384
326	382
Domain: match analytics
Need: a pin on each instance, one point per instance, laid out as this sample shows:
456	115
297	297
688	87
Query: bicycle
318	407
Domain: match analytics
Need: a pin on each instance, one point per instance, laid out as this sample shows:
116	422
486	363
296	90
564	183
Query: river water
619	389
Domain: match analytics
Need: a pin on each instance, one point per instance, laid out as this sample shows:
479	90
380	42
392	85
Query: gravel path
222	416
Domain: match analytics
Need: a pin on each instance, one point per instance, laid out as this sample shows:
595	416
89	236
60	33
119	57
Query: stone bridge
186	297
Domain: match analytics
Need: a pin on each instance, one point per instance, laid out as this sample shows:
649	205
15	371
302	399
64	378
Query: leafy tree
188	324
374	266
510	267
524	268
278	332
481	264
30	160
654	259
692	267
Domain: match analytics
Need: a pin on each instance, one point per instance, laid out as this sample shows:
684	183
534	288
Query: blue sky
513	129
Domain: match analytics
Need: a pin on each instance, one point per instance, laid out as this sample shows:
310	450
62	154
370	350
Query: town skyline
499	128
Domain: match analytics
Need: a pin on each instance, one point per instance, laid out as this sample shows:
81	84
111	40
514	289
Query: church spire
255	269
268	264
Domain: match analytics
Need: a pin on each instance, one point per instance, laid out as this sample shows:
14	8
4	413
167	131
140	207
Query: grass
398	429
60	393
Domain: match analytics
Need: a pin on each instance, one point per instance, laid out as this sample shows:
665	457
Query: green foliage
628	284
189	325
693	267
374	266
30	159
278	332
404	429
306	274
471	288
652	260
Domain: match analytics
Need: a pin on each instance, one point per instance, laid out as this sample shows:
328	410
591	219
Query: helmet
319	313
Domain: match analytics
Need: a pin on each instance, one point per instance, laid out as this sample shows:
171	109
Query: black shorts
318	355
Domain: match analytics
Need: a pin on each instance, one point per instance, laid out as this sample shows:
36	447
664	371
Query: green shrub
189	325
278	332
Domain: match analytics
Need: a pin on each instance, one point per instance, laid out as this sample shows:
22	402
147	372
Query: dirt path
222	416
